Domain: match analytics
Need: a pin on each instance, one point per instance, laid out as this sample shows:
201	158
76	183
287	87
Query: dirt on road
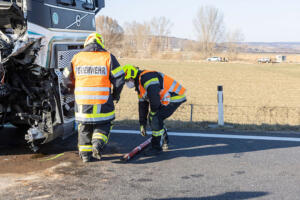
16	157
19	166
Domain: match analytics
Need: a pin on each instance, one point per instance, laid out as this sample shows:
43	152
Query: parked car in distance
214	59
264	60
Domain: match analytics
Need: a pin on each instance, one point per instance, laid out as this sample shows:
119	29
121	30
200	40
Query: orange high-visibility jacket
91	72
169	86
94	101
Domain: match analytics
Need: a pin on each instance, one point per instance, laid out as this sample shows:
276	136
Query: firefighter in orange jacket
163	94
93	71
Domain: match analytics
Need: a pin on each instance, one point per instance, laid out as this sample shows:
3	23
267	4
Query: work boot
86	157
96	154
97	149
155	147
165	145
152	151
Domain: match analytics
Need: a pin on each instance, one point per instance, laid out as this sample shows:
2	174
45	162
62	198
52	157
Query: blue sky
259	20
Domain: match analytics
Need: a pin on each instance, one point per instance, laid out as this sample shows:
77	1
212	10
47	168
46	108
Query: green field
253	93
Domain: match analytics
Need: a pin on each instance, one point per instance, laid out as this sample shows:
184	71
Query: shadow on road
196	147
225	196
13	142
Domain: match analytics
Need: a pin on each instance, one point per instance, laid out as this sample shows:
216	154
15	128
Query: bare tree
233	40
190	45
160	30
154	45
148	37
137	35
111	31
209	28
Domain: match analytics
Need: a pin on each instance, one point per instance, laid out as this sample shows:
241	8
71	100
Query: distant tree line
152	38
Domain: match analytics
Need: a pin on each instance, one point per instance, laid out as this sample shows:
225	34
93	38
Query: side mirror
99	5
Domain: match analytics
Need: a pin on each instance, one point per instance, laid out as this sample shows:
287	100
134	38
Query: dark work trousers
93	136
166	111
163	113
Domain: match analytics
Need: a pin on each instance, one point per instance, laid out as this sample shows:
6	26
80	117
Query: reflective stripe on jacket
94	102
168	86
143	91
91	72
97	113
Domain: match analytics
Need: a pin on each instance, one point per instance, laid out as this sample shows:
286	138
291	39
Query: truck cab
38	39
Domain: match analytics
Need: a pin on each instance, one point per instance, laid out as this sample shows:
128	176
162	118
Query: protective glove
143	131
116	98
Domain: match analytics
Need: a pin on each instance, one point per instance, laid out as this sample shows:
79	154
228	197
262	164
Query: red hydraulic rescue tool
136	150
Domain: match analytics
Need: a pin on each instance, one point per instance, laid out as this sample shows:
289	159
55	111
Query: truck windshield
77	4
88	1
88	4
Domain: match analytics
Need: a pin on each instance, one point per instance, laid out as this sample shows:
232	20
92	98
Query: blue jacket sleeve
151	82
116	77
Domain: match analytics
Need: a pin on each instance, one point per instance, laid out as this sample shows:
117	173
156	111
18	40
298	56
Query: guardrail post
191	116
220	106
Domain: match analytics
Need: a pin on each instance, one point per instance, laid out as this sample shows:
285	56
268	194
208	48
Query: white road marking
199	147
208	135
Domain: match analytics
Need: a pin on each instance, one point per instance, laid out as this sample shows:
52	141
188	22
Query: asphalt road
193	168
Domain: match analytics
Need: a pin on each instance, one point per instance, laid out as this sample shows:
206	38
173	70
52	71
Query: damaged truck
38	39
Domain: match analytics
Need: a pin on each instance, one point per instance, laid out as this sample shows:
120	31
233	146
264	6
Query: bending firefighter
92	72
163	94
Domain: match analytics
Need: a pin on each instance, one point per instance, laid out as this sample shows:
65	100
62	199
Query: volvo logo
78	20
